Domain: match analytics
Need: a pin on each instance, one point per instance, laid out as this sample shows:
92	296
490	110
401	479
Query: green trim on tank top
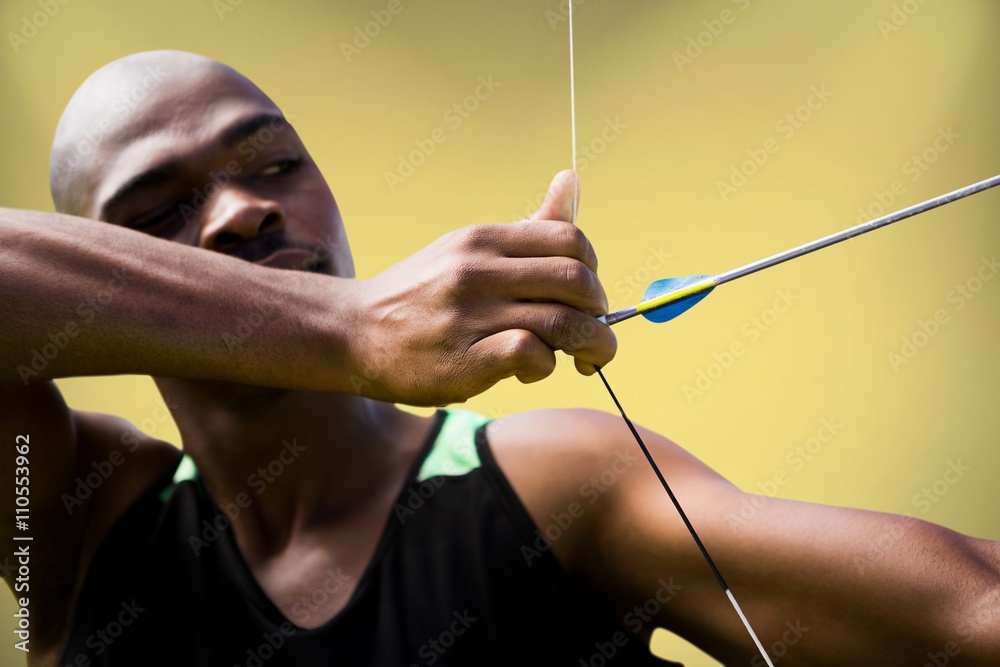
186	470
454	451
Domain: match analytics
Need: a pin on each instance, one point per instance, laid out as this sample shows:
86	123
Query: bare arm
488	302
85	298
826	585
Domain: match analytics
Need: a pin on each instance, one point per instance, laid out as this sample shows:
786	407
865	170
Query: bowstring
614	398
687	522
572	112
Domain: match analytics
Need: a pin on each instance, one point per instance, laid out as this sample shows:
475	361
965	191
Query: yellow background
652	190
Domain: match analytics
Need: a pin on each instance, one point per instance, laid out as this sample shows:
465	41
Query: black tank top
456	579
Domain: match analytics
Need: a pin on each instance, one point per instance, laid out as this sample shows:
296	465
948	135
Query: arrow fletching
667	298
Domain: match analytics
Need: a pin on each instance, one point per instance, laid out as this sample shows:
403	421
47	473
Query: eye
278	168
159	222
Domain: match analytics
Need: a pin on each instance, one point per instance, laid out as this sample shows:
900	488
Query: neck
291	461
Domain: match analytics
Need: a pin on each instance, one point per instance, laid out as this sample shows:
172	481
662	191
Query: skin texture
476	306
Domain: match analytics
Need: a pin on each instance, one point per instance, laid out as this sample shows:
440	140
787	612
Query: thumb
560	198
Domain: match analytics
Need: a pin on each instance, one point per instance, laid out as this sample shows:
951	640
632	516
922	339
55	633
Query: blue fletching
669	311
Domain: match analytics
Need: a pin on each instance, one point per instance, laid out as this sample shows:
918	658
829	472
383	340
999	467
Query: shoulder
115	464
584	467
564	448
569	468
571	447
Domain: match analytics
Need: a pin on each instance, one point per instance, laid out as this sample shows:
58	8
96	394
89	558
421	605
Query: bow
665	299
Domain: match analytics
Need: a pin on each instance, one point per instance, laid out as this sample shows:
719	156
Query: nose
237	216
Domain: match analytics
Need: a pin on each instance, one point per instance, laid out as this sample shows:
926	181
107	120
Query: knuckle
476	237
568	329
577	273
464	273
531	359
521	344
571	237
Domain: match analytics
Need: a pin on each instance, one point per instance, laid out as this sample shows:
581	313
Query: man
311	521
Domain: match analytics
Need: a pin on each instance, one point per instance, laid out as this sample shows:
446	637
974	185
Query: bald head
154	93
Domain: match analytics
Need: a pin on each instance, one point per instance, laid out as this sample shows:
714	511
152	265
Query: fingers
516	352
539	280
559	201
530	238
508	282
528	352
563	328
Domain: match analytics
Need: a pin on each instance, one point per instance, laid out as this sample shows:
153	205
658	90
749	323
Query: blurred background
710	134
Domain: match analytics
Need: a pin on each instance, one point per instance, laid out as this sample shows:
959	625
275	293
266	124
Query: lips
291	258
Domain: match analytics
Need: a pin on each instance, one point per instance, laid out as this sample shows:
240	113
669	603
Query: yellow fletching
676	295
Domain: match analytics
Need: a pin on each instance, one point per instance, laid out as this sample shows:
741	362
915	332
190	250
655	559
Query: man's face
209	161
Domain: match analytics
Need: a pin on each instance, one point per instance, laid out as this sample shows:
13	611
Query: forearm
874	588
821	585
78	297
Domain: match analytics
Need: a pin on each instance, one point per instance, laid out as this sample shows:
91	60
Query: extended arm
79	297
825	585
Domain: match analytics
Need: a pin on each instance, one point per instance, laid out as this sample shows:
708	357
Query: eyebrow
247	127
168	171
155	176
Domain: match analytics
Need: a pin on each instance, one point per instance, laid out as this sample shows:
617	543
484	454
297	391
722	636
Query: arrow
667	298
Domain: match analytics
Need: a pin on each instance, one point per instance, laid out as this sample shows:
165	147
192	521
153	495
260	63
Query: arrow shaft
857	230
799	251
